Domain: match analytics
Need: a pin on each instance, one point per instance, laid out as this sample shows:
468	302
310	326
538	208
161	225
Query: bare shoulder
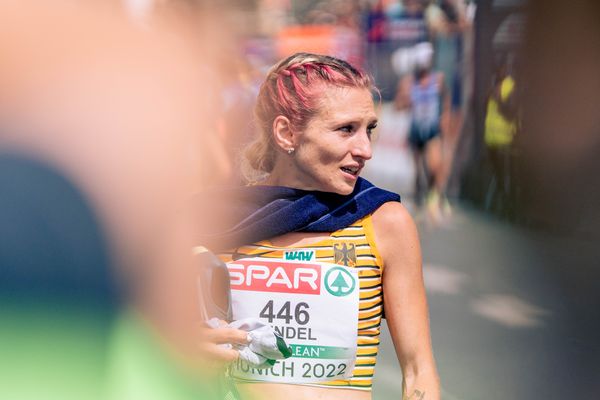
393	217
395	230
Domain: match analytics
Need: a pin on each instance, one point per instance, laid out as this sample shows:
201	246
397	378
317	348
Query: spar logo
275	276
339	282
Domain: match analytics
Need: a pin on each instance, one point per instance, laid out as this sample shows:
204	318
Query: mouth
354	171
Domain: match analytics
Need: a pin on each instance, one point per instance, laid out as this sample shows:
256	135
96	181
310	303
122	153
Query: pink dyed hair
292	88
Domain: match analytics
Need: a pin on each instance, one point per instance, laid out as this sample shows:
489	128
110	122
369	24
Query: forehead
339	103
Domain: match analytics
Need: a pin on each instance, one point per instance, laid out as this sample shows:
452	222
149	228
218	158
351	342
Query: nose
361	147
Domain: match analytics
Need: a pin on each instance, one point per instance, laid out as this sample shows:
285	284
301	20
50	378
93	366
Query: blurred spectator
500	128
406	28
449	22
236	128
394	29
375	22
407	25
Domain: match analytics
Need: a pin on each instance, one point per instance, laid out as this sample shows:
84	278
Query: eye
370	129
346	129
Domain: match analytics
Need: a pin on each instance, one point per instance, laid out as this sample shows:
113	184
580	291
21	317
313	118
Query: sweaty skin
406	312
331	152
328	156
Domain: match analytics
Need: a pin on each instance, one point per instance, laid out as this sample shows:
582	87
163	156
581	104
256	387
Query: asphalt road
496	318
514	312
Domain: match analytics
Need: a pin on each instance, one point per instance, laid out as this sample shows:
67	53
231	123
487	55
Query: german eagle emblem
345	254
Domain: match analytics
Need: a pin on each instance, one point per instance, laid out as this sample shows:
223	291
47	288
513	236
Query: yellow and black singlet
352	247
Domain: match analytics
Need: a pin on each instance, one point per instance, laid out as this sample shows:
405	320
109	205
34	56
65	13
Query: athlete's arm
445	96
405	303
402	99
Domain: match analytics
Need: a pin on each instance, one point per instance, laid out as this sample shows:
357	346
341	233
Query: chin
343	189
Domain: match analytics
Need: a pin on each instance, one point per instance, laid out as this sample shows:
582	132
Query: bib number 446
300	314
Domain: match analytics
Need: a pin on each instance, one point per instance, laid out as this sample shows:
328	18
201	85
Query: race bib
312	305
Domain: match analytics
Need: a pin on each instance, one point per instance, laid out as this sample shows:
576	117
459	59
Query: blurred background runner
511	272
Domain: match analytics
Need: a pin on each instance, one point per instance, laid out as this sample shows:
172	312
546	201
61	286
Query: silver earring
291	150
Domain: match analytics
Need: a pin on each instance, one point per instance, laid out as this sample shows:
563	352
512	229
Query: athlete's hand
216	344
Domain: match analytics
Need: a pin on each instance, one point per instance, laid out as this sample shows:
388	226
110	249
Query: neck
284	174
283	179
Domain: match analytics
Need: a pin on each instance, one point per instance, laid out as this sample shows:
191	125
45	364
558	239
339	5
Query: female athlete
316	251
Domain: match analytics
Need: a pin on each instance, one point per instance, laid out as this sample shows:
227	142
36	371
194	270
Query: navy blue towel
245	215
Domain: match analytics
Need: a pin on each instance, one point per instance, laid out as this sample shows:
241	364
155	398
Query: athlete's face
336	144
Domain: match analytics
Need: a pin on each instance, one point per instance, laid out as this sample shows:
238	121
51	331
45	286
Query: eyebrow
354	122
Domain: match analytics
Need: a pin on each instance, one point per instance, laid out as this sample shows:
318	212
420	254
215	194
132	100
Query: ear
283	135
